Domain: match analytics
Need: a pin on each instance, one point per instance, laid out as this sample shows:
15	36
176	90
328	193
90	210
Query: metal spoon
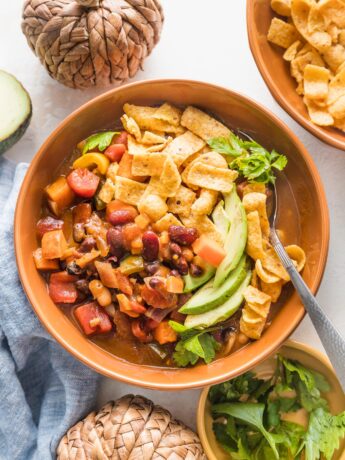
331	339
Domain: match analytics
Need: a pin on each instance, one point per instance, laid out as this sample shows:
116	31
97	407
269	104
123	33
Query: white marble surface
201	40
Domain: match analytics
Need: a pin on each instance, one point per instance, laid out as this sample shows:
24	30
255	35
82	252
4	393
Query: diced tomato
81	213
123	283
62	288
209	250
115	152
122	138
164	333
47	224
140	333
117	205
156	299
88	313
83	182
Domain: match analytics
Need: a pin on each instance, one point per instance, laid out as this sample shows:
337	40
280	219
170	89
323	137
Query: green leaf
231	145
100	140
249	158
307	383
194	344
245	384
251	413
293	435
226	434
324	434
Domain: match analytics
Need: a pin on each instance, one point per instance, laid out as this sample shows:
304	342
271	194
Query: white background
203	40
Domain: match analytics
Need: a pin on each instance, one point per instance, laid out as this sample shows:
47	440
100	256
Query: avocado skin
7	143
203	303
222	312
193	282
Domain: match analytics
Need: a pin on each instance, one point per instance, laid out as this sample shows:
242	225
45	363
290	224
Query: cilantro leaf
324	434
194	344
231	145
100	140
245	384
249	158
308	384
250	413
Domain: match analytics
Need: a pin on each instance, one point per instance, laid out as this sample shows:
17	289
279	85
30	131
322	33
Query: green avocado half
15	111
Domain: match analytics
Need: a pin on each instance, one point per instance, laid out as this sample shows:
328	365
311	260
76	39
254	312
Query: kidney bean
116	242
181	265
150	246
156	283
175	248
151	267
121	217
195	270
88	244
47	224
183	235
83	286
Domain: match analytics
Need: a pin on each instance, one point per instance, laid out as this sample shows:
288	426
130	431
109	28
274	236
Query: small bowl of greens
291	406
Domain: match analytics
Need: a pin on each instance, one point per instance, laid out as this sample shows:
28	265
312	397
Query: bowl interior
237	111
308	357
276	72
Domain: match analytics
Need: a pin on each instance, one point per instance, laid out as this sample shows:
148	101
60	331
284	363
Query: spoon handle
331	339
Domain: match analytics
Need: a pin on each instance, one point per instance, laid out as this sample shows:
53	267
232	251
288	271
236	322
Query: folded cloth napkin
43	389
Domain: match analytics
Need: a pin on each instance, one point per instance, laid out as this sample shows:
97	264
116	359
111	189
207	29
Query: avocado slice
221	313
236	239
15	110
221	219
193	282
209	297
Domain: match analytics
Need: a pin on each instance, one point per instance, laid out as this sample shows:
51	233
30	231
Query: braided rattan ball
131	428
85	43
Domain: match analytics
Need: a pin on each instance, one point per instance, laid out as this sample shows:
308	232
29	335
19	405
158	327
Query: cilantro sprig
99	140
249	422
249	158
193	345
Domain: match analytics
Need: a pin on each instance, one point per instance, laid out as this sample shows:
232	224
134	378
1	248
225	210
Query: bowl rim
295	345
254	45
138	380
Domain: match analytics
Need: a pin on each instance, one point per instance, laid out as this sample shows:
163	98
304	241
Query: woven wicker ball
84	43
131	428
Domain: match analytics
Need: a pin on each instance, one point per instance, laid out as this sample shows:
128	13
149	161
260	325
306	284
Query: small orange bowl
276	72
235	110
307	356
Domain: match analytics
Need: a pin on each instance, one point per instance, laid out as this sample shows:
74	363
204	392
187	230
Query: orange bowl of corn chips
299	48
174	171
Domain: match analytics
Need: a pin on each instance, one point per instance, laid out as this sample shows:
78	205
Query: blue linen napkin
43	389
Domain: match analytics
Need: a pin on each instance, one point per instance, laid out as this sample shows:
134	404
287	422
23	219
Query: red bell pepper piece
90	312
62	288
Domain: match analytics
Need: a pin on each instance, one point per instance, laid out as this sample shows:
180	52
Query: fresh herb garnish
193	345
99	140
248	415
249	158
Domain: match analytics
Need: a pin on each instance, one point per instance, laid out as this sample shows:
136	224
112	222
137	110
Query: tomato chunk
62	288
122	138
93	319
83	182
115	152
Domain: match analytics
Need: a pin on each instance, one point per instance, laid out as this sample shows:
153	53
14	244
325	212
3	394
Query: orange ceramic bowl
235	110
276	72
